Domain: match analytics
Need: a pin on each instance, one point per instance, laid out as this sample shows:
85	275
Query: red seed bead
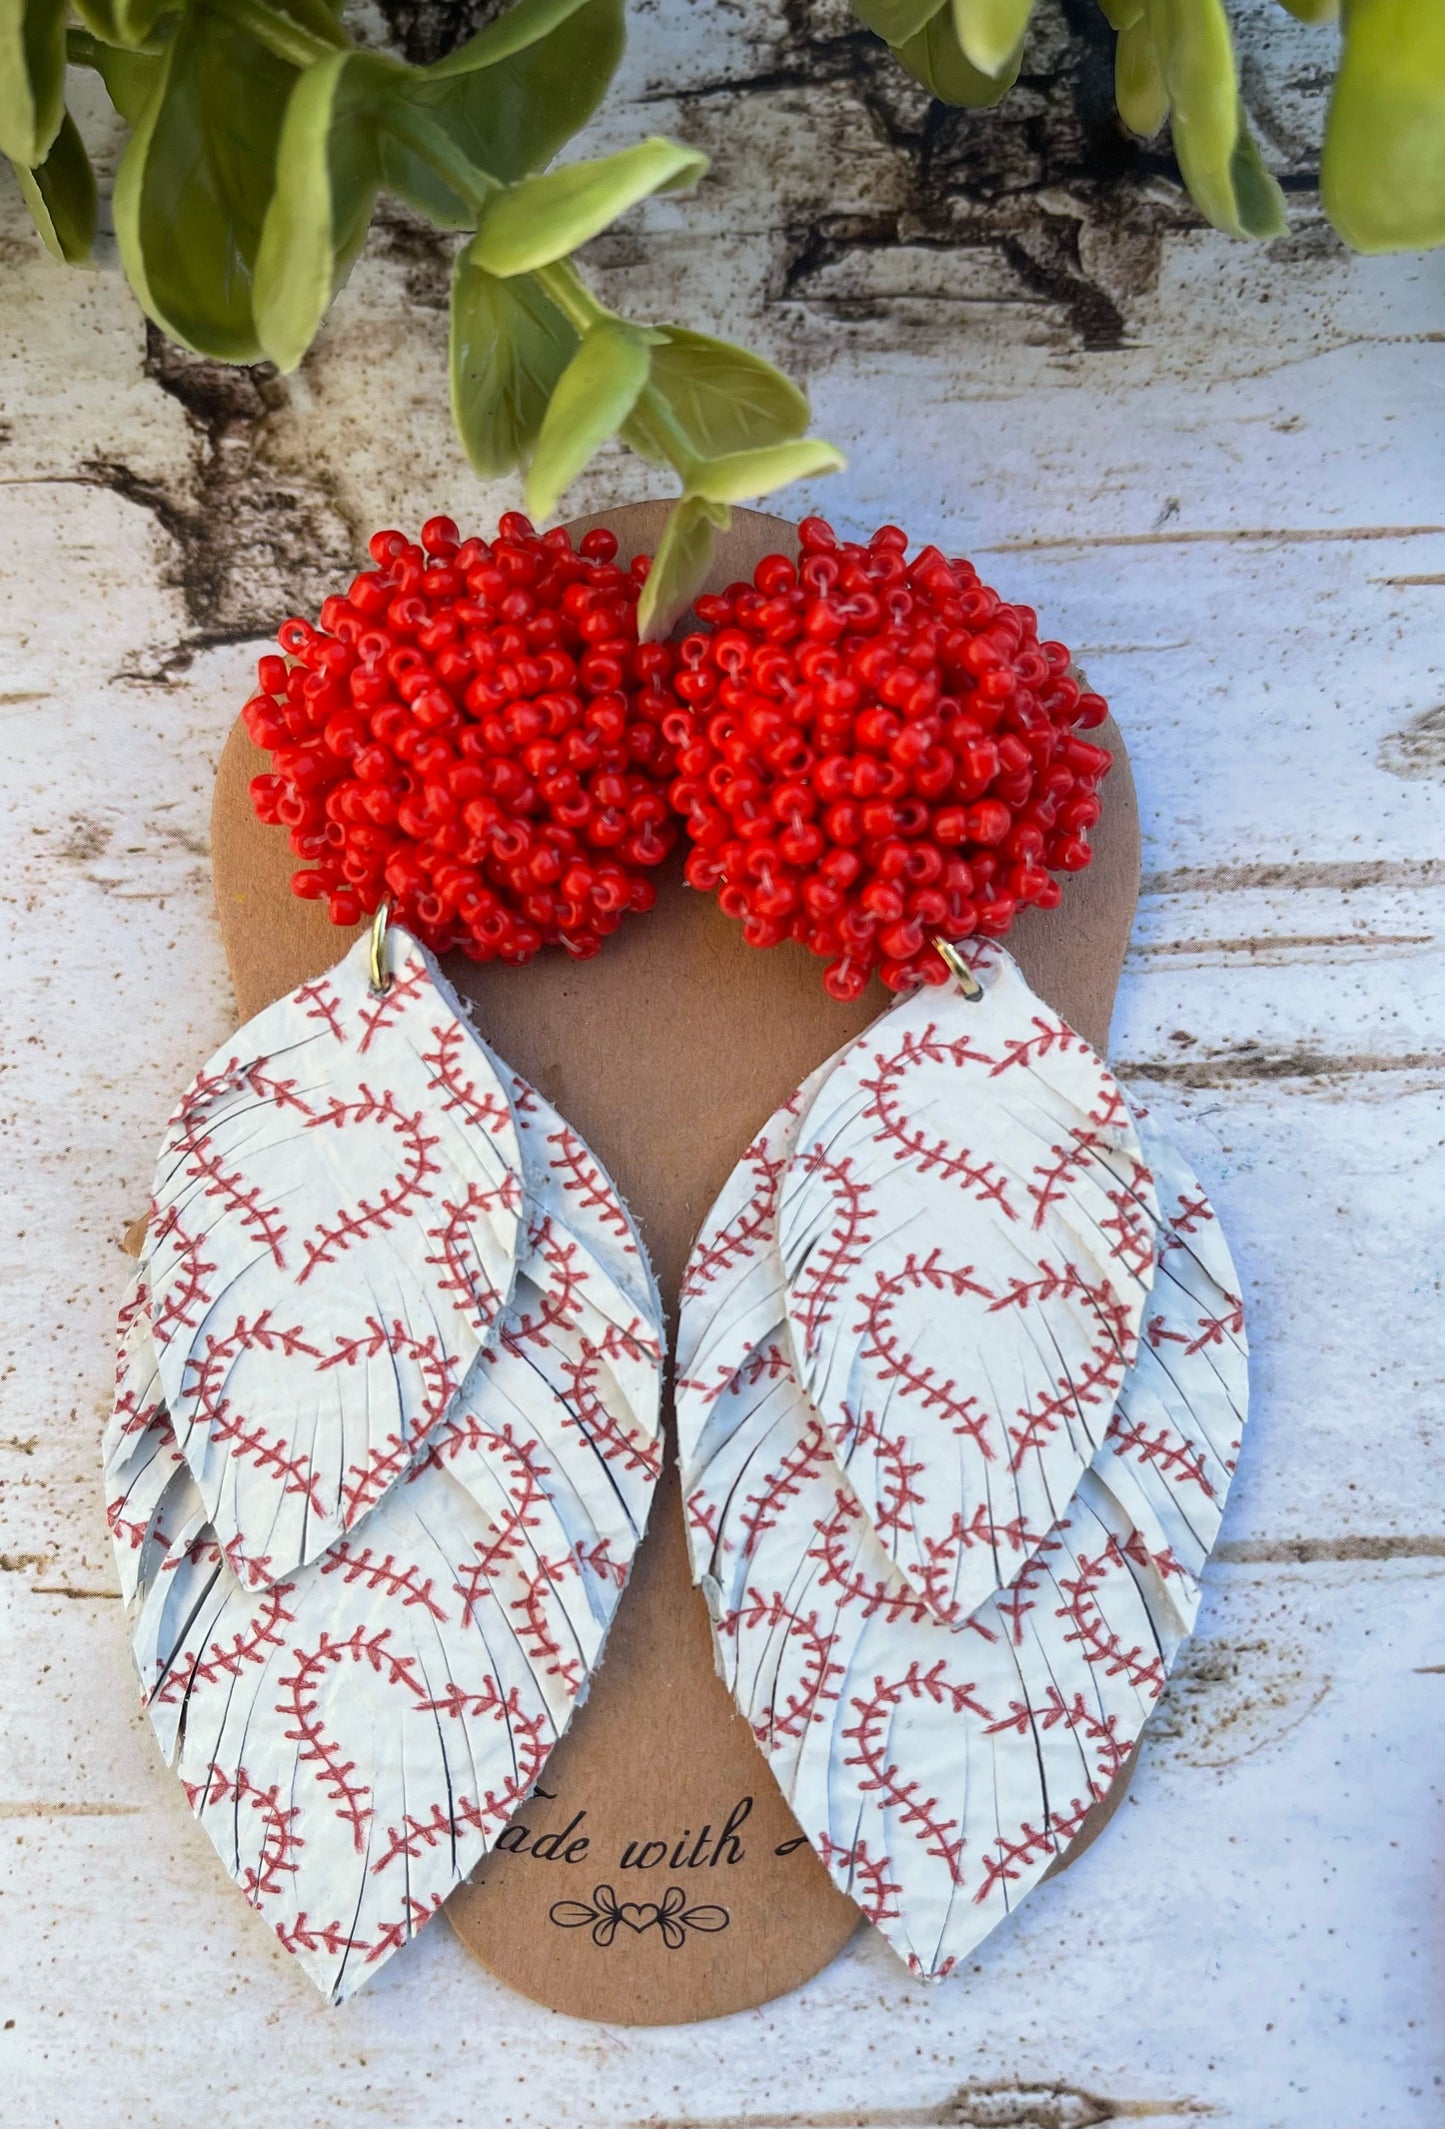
879	752
469	717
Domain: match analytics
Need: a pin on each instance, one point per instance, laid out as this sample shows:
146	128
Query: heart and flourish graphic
670	1915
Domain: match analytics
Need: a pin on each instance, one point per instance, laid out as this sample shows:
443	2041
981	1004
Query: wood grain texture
1221	497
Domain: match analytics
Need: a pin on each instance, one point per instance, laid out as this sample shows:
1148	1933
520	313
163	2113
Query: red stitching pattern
134	1417
1097	1382
764	1510
825	1275
961	1409
1087	1142
1014	1603
1031	1847
1175	1458
224	1426
414	1917
563	1298
526	1493
322	1003
619	1443
317	1749
253	1645
382	1576
703	1513
455	1252
893	1600
1097	1641
734	1242
525	1099
878	1891
262	1222
1069	1284
129	1529
1100	1732
187	1291
405	987
586	1182
488	1110
279	1843
942	1837
535	1631
411	1180
1132	1228
304	1935
597	1560
896	1493
1188	1216
365	1483
931	1156
805	1706
1212	1330
1049	1037
132	1309
1014	1857
530	1743
938	1572
767	1363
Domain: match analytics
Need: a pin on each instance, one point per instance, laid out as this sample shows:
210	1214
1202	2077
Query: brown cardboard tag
657	1876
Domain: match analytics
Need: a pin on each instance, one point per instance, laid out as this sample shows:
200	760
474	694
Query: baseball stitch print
961	1368
385	1437
961	1384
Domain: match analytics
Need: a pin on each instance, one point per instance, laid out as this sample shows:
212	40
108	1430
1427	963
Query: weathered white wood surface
1218	473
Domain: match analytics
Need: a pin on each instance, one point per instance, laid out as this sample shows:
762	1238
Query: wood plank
1216	471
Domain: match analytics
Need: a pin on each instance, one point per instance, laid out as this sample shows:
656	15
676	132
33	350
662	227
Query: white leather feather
964	1227
356	1733
334	1228
937	1757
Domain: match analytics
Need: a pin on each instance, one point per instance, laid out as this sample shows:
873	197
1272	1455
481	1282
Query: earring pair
960	1366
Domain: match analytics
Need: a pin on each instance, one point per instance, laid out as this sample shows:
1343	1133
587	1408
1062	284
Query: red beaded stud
475	731
873	752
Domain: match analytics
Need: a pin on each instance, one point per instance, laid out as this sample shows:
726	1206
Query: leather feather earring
961	1367
961	1361
387	1421
949	1508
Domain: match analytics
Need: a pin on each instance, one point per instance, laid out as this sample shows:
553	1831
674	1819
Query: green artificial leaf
1122	14
317	16
121	22
545	218
130	79
509	346
722	397
990	32
1382	179
1139	87
1258	199
328	169
743	475
1217	156
895	21
508	100
60	193
935	57
32	78
194	182
680	565
592	398
517	29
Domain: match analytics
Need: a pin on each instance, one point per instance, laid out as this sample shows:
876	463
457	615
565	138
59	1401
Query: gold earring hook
377	972
959	969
